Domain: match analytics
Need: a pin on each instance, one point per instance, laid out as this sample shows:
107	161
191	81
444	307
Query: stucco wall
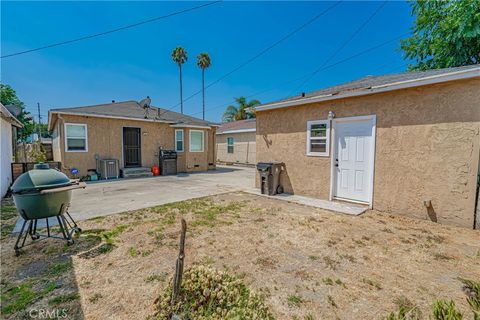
427	147
6	156
244	148
105	139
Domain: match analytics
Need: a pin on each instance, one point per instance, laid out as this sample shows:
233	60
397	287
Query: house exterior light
331	115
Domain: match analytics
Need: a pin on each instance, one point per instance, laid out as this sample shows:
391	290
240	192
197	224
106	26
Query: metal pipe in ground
177	279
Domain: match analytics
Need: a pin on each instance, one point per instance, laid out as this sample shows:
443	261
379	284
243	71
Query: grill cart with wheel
44	193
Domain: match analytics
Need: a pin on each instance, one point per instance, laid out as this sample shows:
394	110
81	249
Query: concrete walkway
342	207
104	198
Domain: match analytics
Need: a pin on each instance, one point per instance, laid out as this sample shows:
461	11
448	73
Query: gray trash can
270	177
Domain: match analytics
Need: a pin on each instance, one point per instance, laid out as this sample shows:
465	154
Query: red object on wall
155	170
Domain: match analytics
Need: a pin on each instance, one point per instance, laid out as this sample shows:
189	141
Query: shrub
37	153
211	294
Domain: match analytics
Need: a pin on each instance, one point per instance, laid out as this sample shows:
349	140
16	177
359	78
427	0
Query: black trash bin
270	177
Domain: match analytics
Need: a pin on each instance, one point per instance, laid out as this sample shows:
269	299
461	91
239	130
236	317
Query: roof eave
237	131
49	123
193	126
10	117
93	115
452	76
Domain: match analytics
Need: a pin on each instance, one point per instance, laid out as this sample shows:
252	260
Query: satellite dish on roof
145	104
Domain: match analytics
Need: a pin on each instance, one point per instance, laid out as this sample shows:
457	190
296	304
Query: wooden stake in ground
177	280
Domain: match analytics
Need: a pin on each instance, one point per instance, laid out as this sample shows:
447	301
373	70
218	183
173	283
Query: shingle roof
373	81
248	124
131	109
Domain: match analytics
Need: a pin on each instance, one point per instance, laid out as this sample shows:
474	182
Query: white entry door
353	158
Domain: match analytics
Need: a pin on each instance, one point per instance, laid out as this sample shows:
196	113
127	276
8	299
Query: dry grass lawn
308	263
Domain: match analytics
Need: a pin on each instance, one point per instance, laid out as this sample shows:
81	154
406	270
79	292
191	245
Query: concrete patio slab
106	197
336	206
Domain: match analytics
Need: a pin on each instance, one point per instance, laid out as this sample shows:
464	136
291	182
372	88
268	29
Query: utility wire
113	30
356	55
342	46
261	53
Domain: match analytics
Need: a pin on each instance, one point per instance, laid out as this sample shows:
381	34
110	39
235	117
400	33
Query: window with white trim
76	137
230	145
179	140
196	140
318	138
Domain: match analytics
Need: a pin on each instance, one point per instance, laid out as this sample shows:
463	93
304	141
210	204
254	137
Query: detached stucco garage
403	143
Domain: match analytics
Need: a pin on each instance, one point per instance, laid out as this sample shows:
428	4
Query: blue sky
134	63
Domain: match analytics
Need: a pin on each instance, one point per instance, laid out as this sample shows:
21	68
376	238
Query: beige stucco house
407	144
236	142
131	134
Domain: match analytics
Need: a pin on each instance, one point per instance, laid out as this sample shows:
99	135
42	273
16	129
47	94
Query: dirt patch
306	262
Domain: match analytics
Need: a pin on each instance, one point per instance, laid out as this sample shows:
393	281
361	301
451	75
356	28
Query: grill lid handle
80	185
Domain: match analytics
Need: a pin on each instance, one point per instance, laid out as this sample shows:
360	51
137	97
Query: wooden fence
21	167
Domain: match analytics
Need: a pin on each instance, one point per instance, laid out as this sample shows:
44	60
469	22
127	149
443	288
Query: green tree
445	34
203	61
44	129
179	56
8	96
243	111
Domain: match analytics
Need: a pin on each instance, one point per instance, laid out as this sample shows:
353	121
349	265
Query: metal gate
132	151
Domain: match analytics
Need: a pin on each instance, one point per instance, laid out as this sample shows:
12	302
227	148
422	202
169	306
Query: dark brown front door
132	151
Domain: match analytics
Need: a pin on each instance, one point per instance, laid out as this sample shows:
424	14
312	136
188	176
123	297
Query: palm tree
179	56
203	61
242	111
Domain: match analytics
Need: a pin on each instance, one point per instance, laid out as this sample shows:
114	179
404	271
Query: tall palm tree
203	61
240	112
179	56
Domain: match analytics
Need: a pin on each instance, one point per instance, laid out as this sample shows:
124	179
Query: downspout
476	214
476	211
216	150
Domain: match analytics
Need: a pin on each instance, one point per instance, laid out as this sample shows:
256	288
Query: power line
113	30
261	53
356	55
342	46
